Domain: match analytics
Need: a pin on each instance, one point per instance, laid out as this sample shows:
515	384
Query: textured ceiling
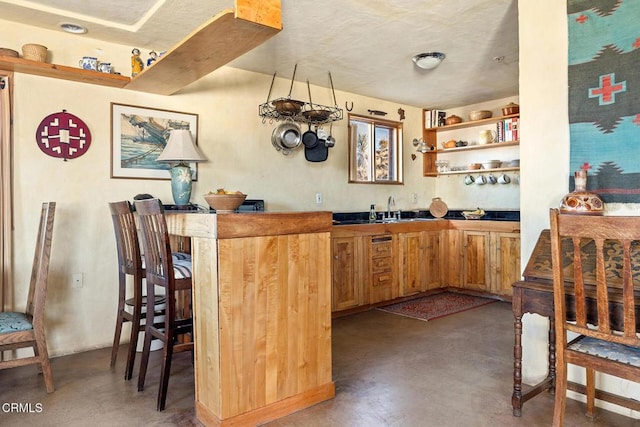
367	45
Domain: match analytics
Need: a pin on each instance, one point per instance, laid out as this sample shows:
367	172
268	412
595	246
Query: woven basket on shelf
8	52
34	52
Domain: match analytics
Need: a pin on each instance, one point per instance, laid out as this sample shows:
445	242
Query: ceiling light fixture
429	60
73	28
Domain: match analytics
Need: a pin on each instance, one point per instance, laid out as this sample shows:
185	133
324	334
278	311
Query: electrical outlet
318	198
76	280
414	198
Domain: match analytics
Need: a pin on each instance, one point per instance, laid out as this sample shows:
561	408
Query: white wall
545	153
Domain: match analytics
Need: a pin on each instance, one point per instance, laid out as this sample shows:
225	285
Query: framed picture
138	136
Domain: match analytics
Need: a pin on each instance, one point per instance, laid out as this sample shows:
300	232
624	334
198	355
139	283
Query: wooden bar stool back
26	329
603	344
162	272
130	263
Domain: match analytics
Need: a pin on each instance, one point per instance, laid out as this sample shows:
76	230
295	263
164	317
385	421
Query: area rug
435	306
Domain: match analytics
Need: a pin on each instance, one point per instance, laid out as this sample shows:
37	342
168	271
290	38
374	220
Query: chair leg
133	344
560	395
116	339
40	350
120	321
591	393
167	355
144	358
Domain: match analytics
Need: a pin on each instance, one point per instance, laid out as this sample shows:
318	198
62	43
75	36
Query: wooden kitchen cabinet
381	269
420	261
349	273
375	264
505	266
475	260
487	261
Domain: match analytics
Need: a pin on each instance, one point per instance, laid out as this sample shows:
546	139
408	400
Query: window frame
369	131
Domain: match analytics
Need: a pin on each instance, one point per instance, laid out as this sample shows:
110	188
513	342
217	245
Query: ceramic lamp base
181	183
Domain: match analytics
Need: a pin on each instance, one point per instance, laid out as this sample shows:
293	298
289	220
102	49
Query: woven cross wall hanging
63	135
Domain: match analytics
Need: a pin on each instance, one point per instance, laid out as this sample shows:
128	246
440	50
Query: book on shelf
434	118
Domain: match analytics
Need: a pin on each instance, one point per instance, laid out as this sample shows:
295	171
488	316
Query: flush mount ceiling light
429	60
73	28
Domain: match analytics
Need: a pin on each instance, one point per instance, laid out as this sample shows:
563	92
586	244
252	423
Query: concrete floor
389	370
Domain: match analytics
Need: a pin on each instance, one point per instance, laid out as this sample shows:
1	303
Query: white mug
88	63
481	180
104	67
468	179
504	179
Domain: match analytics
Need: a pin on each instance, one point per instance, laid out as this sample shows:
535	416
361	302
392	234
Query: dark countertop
363	217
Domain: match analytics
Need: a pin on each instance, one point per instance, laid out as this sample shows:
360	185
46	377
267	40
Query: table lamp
181	149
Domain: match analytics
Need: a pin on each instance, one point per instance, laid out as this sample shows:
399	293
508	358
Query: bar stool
130	263
171	275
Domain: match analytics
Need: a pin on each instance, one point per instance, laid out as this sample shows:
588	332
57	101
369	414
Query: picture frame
138	136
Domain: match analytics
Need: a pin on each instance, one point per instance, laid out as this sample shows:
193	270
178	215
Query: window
375	150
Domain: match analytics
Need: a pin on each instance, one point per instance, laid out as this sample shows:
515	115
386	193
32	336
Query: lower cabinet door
476	267
507	262
348	276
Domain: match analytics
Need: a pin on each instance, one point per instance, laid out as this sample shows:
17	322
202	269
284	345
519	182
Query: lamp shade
180	148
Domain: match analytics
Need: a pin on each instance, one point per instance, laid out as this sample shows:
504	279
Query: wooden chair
130	263
607	341
163	272
26	329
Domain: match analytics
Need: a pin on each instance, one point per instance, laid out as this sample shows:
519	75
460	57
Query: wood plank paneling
275	318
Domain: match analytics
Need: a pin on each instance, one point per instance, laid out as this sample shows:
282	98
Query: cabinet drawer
382	279
380	248
380	265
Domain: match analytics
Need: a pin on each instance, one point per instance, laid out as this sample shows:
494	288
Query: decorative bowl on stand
225	203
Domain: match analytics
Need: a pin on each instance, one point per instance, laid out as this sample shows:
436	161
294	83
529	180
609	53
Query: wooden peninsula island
262	313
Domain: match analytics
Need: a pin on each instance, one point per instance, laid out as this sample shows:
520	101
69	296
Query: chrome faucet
391	205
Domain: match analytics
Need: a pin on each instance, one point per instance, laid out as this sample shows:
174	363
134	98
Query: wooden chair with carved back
26	329
172	276
606	341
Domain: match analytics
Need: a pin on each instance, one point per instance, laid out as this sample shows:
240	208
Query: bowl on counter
480	114
474	166
472	216
225	203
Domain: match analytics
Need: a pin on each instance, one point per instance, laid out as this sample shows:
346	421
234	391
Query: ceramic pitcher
486	136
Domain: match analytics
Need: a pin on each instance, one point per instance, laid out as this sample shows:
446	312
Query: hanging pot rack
299	111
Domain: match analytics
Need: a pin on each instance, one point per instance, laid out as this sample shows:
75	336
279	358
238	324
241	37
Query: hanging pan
318	153
310	138
286	136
